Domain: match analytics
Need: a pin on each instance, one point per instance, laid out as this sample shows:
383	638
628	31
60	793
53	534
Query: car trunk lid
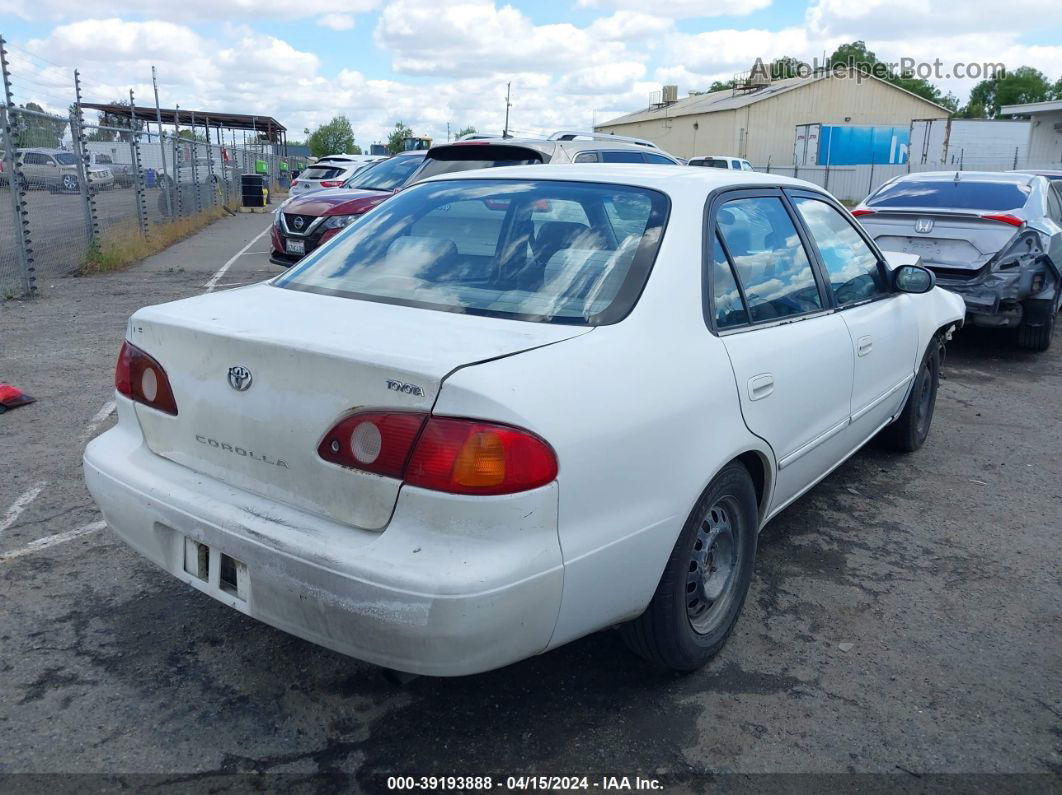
954	243
312	359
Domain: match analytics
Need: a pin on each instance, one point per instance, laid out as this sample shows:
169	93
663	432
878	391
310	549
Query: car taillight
140	377
294	182
1005	218
331	183
862	211
457	456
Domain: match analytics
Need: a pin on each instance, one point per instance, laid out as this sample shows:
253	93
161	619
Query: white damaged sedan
507	409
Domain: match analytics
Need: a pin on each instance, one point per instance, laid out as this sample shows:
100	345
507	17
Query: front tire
703	588
909	431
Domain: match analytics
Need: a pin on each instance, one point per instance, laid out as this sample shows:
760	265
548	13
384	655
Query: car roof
1014	177
667	180
716	157
546	146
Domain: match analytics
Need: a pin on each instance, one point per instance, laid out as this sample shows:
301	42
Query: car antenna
956	177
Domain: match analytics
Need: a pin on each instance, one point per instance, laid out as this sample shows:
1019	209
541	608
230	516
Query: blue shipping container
841	145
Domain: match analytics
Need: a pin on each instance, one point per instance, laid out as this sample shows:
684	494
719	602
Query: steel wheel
713	564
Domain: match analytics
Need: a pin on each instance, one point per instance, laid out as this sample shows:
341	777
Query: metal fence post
195	173
176	180
77	134
139	190
17	189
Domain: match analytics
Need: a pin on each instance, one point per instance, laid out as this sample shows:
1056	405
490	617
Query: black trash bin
253	188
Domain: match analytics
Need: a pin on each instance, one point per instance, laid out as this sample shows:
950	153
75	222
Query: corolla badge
924	226
240	378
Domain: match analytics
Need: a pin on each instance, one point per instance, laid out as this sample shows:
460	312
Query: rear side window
622	157
768	258
587	157
478	247
451	159
945	194
321	172
727	306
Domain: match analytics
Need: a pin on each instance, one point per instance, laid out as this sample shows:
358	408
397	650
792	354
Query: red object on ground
12	397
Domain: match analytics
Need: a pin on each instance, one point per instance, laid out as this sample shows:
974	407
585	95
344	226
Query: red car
304	223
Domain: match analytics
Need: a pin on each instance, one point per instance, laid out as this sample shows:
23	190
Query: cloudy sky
429	62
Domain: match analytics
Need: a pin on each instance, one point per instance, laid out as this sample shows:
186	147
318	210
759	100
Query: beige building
1045	132
759	123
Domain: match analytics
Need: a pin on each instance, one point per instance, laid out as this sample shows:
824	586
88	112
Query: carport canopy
271	129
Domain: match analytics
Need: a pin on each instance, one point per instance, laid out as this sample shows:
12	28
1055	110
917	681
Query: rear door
882	324
791	356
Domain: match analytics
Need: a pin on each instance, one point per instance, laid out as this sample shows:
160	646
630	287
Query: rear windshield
710	162
321	172
386	175
554	252
949	194
450	159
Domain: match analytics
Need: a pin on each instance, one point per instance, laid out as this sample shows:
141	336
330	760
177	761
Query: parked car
361	160
122	172
57	170
472	152
993	238
467	444
323	175
302	223
1055	175
720	161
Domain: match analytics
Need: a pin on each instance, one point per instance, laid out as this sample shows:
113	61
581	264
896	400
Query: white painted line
51	541
97	420
19	505
210	285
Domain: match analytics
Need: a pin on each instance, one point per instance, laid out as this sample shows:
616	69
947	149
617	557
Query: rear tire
703	588
909	431
1038	337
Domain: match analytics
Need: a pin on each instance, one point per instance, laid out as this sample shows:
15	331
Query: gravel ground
905	619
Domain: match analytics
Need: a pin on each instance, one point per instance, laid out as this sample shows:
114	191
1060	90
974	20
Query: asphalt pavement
905	619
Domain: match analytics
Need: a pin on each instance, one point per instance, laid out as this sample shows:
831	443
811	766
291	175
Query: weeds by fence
78	196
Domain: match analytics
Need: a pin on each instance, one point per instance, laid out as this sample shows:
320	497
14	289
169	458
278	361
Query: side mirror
913	279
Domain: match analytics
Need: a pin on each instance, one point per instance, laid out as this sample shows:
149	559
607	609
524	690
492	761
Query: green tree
787	66
37	131
856	55
335	137
719	85
466	130
118	119
1024	84
398	134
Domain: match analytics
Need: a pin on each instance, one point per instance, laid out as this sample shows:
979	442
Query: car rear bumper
455	585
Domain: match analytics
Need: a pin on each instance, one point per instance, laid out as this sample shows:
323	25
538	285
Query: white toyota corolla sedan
507	409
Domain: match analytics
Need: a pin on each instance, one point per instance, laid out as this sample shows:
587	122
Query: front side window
854	270
769	258
541	251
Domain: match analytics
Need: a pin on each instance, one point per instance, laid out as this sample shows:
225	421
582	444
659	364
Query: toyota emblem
240	378
298	223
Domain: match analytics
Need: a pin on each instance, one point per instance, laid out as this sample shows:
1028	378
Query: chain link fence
69	188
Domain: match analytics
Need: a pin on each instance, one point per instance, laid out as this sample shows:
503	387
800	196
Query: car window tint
474	226
854	272
659	160
735	164
770	260
321	172
951	194
622	157
586	157
727	306
710	162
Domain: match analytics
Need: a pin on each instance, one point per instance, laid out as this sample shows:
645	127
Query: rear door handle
863	346
760	386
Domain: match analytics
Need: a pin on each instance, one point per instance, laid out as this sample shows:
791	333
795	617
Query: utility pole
508	104
162	145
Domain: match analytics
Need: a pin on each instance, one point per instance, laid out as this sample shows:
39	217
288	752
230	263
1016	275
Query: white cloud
924	18
336	21
629	26
684	9
478	38
186	11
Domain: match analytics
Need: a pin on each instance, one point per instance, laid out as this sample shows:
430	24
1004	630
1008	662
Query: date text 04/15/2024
487	783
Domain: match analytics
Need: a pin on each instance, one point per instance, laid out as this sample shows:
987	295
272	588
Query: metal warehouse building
759	119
